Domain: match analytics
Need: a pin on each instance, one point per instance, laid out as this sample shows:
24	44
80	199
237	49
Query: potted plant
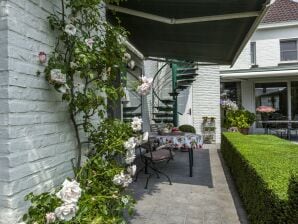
242	119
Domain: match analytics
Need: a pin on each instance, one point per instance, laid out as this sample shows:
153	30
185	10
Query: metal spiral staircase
169	81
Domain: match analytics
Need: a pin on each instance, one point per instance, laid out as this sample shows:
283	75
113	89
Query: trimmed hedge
187	128
265	170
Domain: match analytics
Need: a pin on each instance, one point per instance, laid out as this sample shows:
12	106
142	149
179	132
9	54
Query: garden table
287	122
182	141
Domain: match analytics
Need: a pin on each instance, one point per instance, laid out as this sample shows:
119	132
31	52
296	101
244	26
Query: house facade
37	139
266	72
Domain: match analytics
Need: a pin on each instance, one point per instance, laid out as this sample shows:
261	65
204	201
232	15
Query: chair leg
147	181
158	171
137	174
146	166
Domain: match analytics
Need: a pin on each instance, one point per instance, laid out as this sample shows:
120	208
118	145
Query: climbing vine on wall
88	56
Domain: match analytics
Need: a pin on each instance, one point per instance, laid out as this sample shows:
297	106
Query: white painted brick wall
150	69
206	98
36	136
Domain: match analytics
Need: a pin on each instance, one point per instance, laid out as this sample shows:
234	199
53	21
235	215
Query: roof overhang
202	30
260	73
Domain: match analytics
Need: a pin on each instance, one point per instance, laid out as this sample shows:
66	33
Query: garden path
209	197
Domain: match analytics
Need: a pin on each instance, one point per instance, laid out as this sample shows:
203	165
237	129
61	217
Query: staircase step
127	120
168	101
157	115
187	76
186	70
164	108
161	120
174	94
182	87
127	109
127	115
186	81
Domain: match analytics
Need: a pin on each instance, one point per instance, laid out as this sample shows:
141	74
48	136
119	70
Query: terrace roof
198	30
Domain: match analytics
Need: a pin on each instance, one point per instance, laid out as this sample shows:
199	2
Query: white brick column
206	98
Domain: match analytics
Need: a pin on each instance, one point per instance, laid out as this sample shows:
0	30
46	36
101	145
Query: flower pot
244	131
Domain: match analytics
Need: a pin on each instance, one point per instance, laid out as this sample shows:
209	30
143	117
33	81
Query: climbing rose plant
88	56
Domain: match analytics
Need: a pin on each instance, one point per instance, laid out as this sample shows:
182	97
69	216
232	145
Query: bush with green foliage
239	118
265	170
88	57
187	128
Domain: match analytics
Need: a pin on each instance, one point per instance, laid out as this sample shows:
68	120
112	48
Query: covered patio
209	32
208	197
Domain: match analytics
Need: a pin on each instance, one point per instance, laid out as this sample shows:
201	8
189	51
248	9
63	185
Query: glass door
271	101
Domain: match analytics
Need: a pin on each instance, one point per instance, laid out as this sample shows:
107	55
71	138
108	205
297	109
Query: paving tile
208	197
212	218
198	220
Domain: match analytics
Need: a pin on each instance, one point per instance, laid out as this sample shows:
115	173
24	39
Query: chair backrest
295	117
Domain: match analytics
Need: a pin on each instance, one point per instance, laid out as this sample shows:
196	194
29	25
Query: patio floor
208	197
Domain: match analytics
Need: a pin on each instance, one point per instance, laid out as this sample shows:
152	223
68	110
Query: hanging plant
88	56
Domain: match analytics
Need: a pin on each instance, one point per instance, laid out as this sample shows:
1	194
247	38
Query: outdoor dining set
161	147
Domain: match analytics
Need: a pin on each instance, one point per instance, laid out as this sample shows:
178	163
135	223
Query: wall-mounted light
42	56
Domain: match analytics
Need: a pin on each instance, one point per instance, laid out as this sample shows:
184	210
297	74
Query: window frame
282	51
253	53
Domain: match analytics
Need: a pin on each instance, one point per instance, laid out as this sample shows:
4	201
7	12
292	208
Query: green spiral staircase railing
133	106
171	79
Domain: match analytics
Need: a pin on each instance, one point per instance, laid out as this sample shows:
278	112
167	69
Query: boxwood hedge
265	170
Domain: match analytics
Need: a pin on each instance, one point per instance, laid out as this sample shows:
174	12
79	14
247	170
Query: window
288	50
253	51
232	91
271	101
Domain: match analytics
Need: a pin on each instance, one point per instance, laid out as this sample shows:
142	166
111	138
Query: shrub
187	128
265	171
240	118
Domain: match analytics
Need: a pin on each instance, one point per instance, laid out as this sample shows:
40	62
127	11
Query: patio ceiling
201	30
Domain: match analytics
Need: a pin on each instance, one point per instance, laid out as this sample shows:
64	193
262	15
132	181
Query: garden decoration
88	56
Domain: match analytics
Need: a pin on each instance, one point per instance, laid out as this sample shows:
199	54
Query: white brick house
36	136
37	140
266	73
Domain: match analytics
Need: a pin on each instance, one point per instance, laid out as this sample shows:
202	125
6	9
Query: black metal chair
152	154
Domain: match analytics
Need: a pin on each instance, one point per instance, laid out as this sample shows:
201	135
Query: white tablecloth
183	140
